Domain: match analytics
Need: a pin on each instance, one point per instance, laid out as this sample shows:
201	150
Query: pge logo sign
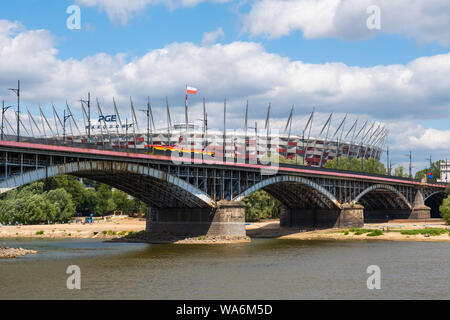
109	118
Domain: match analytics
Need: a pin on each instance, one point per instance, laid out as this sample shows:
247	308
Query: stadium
312	143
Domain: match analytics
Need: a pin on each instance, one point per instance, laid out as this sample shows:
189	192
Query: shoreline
123	230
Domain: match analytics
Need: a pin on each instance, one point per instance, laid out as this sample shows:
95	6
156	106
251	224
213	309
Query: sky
308	53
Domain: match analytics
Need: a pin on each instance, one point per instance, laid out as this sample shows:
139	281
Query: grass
360	231
375	233
40	233
426	231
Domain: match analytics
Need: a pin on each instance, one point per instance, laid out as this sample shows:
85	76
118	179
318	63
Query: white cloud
122	11
210	38
426	21
431	139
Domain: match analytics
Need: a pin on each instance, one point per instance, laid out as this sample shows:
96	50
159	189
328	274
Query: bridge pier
420	210
225	221
309	219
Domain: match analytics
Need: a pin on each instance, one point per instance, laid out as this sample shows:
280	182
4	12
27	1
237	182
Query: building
312	145
445	171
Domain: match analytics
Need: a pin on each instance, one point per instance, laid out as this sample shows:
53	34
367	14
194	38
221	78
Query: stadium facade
316	144
238	144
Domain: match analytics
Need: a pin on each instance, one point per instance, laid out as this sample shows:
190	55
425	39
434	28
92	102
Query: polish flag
191	90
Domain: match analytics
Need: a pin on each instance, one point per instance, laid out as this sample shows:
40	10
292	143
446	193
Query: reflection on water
262	269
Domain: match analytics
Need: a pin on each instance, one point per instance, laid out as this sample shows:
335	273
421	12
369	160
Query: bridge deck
282	168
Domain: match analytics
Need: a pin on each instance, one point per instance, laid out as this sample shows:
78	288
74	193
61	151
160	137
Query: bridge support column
351	215
225	221
420	210
310	219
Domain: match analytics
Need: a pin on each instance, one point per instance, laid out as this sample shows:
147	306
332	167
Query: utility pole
64	127
148	113
410	165
17	92
88	104
388	168
3	116
224	129
426	173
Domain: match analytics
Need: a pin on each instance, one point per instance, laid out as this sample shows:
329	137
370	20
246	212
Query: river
263	269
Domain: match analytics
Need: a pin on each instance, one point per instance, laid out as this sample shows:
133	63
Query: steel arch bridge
204	186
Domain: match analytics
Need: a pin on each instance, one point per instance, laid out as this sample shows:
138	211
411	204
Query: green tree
105	203
261	205
370	165
435	168
445	210
400	172
123	201
62	200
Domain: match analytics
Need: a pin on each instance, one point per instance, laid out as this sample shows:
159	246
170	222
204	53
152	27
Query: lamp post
410	164
64	127
148	113
3	116
88	103
17	92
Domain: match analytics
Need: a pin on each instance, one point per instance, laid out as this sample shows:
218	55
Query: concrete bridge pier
419	209
350	215
225	221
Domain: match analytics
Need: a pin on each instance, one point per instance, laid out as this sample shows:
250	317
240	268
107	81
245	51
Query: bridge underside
384	205
154	192
434	202
307	208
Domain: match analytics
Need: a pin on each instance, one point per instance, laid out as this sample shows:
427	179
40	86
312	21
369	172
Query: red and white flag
191	90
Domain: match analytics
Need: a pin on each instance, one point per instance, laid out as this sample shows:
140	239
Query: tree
122	201
435	169
445	210
400	172
105	203
261	205
370	165
62	200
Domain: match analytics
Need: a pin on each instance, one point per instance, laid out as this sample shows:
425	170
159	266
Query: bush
375	233
40	233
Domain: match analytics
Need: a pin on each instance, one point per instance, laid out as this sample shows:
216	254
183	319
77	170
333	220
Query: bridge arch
322	195
387	188
150	185
434	201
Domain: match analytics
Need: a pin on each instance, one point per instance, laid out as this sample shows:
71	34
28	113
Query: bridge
204	196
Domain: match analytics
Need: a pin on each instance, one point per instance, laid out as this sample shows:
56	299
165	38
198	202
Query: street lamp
64	127
410	164
17	92
3	116
88	103
149	114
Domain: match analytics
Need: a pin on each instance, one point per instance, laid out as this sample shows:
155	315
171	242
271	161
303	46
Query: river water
263	269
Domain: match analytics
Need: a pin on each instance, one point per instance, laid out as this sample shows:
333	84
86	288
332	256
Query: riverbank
98	230
124	229
11	253
389	231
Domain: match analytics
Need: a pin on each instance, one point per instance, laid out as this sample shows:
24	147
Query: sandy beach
109	230
271	229
100	229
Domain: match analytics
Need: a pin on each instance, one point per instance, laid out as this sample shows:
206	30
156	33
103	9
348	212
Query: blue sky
295	54
156	26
